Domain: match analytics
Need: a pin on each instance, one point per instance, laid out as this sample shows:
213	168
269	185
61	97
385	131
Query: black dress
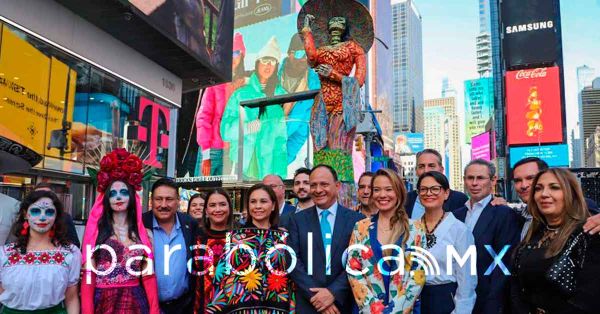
531	292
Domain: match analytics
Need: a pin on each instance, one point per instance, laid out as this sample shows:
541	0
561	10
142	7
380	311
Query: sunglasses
265	61
299	54
48	212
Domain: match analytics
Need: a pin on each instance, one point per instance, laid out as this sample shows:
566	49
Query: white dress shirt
452	232
474	212
331	217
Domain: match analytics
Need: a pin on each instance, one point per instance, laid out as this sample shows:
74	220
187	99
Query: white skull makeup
41	215
119	196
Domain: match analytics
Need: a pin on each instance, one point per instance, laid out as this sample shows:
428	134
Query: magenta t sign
156	138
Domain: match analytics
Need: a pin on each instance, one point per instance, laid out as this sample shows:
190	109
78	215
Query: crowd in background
314	256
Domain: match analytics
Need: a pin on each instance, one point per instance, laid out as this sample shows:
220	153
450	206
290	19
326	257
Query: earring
25	229
52	232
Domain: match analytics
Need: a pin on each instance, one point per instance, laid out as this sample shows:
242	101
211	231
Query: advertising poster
408	143
533	106
275	138
479	105
554	155
530	31
36	95
480	146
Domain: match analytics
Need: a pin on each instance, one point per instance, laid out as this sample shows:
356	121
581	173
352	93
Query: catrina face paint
119	196
41	215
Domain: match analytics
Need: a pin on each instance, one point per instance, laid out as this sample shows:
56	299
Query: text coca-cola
530	74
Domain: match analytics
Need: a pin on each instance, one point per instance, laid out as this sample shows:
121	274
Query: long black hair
105	224
271	85
59	227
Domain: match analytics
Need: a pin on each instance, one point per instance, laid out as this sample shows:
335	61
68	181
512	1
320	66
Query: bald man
276	183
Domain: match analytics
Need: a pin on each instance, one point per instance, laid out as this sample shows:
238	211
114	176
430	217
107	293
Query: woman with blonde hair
556	265
374	270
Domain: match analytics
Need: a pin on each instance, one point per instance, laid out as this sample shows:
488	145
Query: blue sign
409	143
554	155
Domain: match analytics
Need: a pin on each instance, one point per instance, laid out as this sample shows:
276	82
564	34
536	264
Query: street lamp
368	130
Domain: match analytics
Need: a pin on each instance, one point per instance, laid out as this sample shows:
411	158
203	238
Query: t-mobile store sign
153	129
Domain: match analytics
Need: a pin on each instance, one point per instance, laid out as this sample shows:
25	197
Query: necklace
430	238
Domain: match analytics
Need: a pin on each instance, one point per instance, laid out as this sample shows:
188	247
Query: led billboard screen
479	105
554	155
530	31
480	146
533	106
409	143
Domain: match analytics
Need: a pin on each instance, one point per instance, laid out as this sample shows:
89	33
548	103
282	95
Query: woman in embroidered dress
381	287
538	284
216	222
115	223
40	271
444	293
252	285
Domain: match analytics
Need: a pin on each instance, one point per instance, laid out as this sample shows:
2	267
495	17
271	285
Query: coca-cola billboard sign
534	106
531	74
531	33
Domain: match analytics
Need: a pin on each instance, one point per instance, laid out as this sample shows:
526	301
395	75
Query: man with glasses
295	76
276	183
431	160
493	227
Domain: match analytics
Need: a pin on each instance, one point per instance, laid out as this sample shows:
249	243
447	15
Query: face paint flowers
41	215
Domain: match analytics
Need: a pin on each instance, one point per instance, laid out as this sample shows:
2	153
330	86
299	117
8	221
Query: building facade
407	67
593	149
585	77
442	133
590	111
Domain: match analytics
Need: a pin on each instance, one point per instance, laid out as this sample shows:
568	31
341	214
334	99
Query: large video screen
530	31
203	27
534	107
554	155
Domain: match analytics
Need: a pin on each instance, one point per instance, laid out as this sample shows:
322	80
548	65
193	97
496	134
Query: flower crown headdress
119	165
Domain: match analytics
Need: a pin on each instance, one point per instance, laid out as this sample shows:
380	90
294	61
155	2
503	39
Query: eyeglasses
299	54
435	190
478	178
237	53
265	61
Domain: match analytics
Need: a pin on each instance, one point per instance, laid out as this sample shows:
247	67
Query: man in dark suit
171	228
322	284
523	173
276	183
431	160
495	226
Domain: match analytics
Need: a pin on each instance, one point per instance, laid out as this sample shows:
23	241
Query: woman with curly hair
39	273
118	285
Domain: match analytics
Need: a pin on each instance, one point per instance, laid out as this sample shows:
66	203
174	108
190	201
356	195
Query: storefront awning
15	157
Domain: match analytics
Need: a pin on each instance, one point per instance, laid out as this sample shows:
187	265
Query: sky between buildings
450	28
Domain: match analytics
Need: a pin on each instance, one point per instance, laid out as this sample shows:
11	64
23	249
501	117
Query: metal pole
368	140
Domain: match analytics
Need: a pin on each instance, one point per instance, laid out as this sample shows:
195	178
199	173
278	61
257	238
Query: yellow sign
37	94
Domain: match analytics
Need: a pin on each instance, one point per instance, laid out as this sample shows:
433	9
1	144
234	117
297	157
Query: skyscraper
441	133
590	110
407	67
447	89
484	40
585	77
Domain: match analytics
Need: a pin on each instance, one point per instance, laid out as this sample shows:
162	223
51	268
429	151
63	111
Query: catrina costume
118	291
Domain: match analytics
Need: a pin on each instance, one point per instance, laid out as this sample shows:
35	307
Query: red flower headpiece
120	165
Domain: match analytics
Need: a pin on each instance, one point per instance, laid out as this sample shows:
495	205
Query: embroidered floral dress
262	289
204	268
119	292
374	291
37	279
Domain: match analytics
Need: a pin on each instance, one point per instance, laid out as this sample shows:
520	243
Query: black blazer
190	229
299	226
497	226
455	201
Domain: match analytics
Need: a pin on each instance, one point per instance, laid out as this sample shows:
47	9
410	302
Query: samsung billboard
530	32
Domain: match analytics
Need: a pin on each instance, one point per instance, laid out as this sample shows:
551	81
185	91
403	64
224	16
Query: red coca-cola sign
531	73
533	106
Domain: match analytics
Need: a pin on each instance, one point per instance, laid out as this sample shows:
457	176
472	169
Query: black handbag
563	271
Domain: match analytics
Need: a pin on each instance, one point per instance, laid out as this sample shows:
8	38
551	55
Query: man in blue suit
276	183
321	282
495	226
431	160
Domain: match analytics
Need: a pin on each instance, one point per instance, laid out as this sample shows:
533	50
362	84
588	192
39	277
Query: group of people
282	128
315	256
